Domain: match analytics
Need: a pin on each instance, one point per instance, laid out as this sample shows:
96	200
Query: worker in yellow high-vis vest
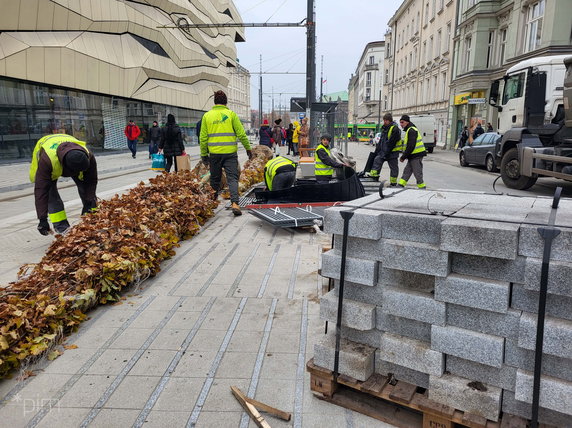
279	173
324	164
220	128
387	150
55	156
413	152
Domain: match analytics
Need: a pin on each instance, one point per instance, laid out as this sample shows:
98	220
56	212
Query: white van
427	125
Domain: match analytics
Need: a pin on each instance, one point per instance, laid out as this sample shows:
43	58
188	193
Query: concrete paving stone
524	359
413	305
68	363
179	393
474	237
357	270
148	319
245	341
541	215
280	392
217	321
488	267
40	388
356	360
473	292
62	417
131	338
360	248
400	373
133	392
161	419
163	303
279	366
527	300
290	322
195	364
366	200
504	378
86	391
18	415
94	337
218	419
356	315
555	394
283	341
454	391
480	211
113	417
182	320
369	337
411	227
111	362
520	408
257	306
169	339
405	279
220	398
497	324
470	345
557	335
361	293
531	244
415	257
114	318
411	353
153	362
402	326
236	365
364	223
252	322
559	276
197	304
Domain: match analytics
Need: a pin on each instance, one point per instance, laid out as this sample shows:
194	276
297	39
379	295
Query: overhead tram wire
186	24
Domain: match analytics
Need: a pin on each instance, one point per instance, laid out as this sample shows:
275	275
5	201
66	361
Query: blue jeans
132	145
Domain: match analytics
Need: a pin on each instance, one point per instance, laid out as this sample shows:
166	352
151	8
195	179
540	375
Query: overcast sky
343	28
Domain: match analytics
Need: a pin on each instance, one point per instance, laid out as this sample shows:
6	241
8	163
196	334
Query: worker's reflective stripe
399	145
402	182
273	165
221	143
393	180
222	134
421	185
50	144
321	168
59	216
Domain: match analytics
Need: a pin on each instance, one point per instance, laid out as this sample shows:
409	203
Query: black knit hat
405	117
278	121
76	161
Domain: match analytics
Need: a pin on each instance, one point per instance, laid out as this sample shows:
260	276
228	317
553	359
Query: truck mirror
494	93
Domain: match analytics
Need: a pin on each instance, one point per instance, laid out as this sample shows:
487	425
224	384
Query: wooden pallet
398	403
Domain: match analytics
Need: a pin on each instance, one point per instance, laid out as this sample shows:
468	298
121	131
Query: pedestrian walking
219	131
171	144
154	138
304	137
279	173
387	150
55	156
296	138
132	133
413	152
277	135
478	131
490	127
324	164
289	135
464	137
265	134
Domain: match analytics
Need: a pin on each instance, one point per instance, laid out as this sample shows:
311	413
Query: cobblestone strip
214	367
264	282
242	271
127	368
174	363
209	281
299	399
72	381
259	358
188	273
292	283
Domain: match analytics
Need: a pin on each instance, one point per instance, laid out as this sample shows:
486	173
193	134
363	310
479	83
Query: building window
502	50
441	5
424	53
368	78
417	23
371	60
367	94
467	59
426	13
447	41
438	45
444	87
434	8
386	75
533	33
410	61
490	48
430	51
385	102
435	88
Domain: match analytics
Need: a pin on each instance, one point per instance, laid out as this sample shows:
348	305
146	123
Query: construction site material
252	407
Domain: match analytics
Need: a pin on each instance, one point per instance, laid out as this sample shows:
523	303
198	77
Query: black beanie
76	161
405	117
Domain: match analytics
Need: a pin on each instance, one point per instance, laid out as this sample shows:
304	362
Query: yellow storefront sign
462	98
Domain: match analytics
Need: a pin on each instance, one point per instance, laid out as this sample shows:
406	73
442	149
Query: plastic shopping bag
158	162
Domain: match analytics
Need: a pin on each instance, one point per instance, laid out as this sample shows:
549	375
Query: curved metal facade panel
120	48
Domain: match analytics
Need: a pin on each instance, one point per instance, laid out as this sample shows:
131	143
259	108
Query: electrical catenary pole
310	67
260	96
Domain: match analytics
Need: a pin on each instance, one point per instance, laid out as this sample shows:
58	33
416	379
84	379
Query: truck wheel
462	159
510	172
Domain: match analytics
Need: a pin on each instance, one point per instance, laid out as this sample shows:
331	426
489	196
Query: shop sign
462	98
477	100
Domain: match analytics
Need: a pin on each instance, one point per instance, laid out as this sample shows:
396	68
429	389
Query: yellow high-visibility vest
50	144
419	146
321	168
272	166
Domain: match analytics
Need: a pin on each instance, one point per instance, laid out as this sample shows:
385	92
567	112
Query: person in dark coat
154	138
464	137
478	131
265	134
171	144
289	135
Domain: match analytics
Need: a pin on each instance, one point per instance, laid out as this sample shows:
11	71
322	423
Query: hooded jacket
295	137
171	138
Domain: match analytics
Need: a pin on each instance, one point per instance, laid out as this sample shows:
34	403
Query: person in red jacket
132	132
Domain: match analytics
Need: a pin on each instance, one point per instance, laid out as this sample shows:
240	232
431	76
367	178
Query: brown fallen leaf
70	346
26	374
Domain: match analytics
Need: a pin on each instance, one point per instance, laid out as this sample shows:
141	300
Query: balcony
486	7
369	67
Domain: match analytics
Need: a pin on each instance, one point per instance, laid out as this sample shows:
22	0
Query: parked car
481	151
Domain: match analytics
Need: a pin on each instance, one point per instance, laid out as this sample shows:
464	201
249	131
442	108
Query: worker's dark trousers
283	180
56	209
393	163
230	164
414	166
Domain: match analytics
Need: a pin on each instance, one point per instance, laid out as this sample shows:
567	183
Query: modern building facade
492	36
86	67
418	60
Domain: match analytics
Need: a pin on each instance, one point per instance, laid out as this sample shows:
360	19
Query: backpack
283	133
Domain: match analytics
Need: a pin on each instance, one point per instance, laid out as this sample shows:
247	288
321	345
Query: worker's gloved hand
205	159
44	227
249	153
89	207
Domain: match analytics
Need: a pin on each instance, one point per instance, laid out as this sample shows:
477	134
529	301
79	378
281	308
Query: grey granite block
488	267
357	270
370	337
524	359
405	279
473	292
531	243
455	391
470	345
364	223
480	238
559	276
361	293
503	325
555	394
527	300
494	212
401	373
413	305
356	359
520	408
415	257
411	227
356	315
364	201
504	378
402	326
557	335
360	248
411	353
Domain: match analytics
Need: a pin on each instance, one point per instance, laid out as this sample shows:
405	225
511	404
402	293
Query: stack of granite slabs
441	290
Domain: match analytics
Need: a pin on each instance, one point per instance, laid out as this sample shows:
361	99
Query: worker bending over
279	173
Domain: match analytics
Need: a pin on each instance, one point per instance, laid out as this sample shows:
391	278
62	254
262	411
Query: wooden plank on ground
432	421
403	392
374	384
474	421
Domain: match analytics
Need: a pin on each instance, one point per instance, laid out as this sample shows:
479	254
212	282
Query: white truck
427	126
535	119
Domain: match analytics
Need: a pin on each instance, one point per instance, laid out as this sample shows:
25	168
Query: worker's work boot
61	226
236	209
